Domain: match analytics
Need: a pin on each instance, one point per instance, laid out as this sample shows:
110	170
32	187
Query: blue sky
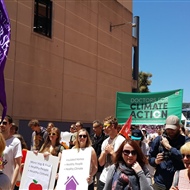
164	44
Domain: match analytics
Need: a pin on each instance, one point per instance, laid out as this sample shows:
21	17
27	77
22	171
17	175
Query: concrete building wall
74	75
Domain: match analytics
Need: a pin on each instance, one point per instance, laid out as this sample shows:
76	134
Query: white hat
172	122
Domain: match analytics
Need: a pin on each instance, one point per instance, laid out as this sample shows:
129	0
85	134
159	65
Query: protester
14	129
5	182
52	143
138	137
12	154
73	130
182	177
53	147
165	154
109	146
145	134
24	152
50	126
129	169
39	134
83	141
97	139
78	126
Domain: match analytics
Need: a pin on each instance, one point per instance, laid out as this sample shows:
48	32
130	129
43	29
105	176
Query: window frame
43	17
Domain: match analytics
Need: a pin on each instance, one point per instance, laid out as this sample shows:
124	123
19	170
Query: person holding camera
165	154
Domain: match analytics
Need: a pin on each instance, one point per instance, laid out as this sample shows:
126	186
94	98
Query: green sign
148	108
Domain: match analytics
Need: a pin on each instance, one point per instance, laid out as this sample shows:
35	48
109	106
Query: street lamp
116	25
136	55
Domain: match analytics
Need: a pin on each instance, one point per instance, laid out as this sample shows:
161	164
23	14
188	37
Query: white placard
39	172
74	169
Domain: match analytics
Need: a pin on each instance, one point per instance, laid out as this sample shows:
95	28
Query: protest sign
148	108
74	169
39	172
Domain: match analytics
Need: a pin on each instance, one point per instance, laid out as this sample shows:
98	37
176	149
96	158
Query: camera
162	149
166	154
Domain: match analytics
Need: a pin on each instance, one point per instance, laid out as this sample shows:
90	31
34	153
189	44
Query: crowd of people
142	161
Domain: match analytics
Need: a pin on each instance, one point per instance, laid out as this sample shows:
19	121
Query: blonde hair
185	149
2	144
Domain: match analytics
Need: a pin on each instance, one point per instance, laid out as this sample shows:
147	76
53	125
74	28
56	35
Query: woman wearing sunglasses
129	170
52	143
84	141
181	180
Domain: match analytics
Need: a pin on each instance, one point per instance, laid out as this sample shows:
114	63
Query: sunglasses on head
187	156
53	134
82	136
128	152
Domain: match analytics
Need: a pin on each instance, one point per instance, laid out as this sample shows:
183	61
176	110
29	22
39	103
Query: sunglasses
82	136
187	156
4	123
53	134
128	152
107	125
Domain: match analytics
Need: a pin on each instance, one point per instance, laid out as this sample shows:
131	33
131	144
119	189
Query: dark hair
111	120
33	122
79	123
141	158
15	127
97	122
9	118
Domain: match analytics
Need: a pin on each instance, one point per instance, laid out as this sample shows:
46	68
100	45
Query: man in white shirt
109	147
13	153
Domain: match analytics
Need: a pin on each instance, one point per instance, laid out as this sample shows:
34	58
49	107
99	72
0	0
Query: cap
136	134
172	122
143	129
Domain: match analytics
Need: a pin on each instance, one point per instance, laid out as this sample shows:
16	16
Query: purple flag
5	33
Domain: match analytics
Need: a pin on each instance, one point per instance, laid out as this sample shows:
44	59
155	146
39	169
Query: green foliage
186	105
144	81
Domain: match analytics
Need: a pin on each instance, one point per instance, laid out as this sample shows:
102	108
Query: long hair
141	158
88	141
2	144
45	147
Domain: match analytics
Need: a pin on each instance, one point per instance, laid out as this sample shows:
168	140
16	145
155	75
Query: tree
144	81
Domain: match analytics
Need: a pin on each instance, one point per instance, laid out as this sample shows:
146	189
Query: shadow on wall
26	131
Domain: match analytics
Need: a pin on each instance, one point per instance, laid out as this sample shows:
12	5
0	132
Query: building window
43	17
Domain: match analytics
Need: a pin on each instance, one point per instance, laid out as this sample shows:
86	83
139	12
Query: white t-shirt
116	144
12	150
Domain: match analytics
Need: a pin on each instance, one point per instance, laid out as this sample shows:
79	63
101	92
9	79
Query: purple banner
5	33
